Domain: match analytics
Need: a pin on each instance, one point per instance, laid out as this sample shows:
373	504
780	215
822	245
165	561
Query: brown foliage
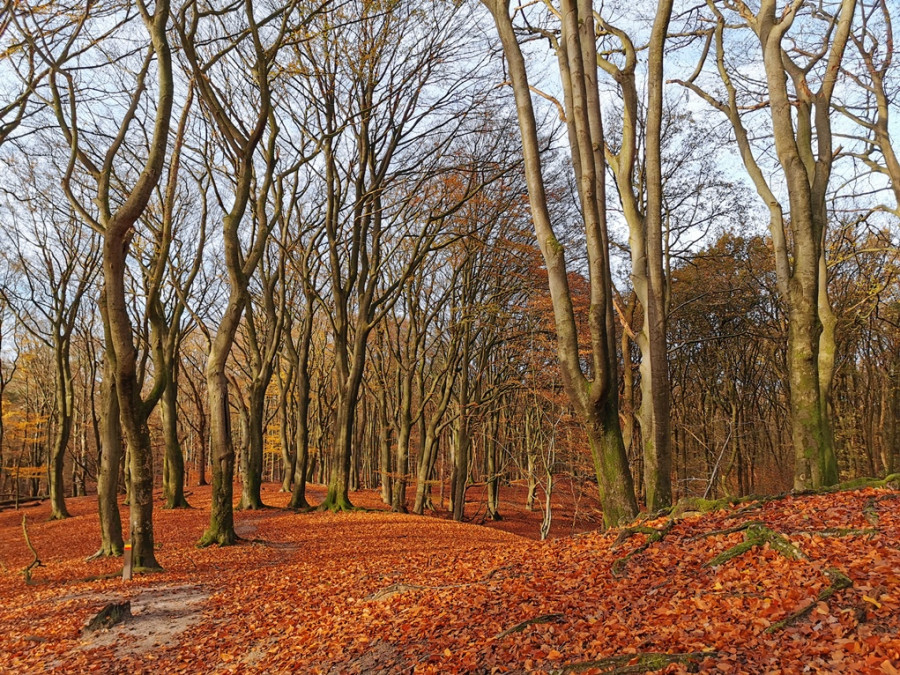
306	593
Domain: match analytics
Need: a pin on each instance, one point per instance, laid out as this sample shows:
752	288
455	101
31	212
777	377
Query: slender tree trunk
893	440
530	459
63	432
111	542
301	442
173	477
288	458
404	429
384	443
493	476
595	398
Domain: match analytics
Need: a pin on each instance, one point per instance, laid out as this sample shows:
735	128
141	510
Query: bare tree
593	391
114	210
800	123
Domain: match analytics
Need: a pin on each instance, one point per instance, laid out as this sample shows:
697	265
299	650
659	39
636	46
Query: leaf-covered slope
799	583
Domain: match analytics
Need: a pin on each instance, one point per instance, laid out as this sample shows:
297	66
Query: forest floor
812	584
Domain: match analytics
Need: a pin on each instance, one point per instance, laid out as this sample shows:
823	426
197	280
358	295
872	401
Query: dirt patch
381	658
159	616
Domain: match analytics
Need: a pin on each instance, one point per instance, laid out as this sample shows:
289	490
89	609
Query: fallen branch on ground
34	563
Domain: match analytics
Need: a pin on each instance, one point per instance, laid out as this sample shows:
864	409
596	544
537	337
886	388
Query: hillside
373	592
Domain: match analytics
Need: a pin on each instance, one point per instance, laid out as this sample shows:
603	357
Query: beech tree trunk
111	542
64	405
173	476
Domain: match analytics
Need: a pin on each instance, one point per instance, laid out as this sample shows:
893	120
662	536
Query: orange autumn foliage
380	592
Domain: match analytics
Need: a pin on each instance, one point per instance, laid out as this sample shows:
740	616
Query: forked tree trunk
594	397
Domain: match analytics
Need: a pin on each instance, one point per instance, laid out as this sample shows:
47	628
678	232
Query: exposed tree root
842	532
394	589
700	505
653	536
142	569
870	510
543	618
891	481
839	581
754	502
757	535
96	577
730	530
337	505
109	616
636	663
105	552
223	538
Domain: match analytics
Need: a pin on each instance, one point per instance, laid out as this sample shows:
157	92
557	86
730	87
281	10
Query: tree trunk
404	429
111	542
301	447
252	463
384	443
493	476
65	399
221	517
173	476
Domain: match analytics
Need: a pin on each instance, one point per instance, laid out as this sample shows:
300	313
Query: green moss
225	537
839	581
554	245
687	504
643	663
758	535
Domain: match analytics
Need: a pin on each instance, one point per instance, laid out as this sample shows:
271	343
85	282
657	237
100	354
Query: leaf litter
378	592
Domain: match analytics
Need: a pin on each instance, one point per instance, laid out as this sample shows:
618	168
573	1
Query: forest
268	267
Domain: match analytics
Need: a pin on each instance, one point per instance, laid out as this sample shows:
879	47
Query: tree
55	260
593	392
869	101
642	198
386	140
208	53
114	211
800	123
